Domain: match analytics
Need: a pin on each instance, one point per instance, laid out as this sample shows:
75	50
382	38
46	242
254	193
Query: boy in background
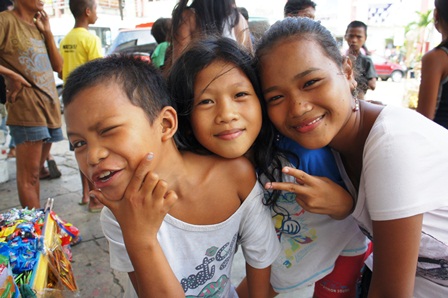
300	8
365	74
78	47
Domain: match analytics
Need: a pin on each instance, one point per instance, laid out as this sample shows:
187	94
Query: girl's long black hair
211	15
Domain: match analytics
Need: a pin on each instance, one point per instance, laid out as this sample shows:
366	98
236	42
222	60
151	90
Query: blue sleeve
316	162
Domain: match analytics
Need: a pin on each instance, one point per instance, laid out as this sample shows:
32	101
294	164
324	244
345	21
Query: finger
300	176
96	193
25	83
140	173
149	186
171	199
284	186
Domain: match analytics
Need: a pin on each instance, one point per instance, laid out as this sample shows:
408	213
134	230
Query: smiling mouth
310	123
105	176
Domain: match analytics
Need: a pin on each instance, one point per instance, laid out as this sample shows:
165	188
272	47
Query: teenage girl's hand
42	21
145	203
316	194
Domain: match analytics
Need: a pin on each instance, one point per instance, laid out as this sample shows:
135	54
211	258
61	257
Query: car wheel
396	76
59	89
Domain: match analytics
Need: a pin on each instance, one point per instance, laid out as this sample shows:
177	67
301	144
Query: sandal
53	168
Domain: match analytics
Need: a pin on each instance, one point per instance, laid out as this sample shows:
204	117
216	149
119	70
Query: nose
227	111
96	154
298	106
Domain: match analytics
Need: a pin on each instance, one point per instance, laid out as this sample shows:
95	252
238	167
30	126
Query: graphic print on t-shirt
215	260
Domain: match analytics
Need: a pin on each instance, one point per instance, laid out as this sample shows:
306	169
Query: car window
134	37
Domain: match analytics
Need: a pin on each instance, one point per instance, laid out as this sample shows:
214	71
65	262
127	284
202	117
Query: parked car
387	69
138	42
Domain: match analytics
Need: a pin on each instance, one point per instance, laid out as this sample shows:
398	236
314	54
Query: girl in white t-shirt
393	160
218	102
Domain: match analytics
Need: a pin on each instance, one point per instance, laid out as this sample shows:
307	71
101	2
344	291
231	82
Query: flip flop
95	209
82	203
53	168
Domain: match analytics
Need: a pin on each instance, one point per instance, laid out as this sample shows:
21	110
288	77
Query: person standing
433	92
365	74
27	47
78	47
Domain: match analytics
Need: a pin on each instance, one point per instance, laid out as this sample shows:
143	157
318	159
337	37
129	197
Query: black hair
141	82
299	28
78	7
161	29
294	6
357	24
211	15
181	80
243	11
4	4
442	10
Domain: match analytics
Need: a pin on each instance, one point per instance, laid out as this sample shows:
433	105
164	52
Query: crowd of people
222	142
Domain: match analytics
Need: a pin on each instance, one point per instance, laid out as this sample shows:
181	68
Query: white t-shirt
405	173
311	242
201	256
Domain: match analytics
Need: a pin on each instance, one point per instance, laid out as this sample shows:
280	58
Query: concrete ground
90	264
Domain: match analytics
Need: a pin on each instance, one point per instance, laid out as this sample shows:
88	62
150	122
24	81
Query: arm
316	194
396	246
258	281
183	35
14	83
431	74
144	205
242	33
43	24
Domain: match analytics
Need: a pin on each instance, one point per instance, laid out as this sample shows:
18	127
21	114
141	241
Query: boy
78	47
365	74
300	8
175	236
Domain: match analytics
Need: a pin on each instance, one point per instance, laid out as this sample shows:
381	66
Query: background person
34	115
300	8
207	17
78	47
433	92
365	74
161	30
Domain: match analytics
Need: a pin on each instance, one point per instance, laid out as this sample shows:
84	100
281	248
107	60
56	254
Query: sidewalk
91	257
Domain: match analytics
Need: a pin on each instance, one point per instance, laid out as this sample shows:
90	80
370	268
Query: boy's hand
316	194
145	203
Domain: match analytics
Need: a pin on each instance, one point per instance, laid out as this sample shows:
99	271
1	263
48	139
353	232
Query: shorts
22	134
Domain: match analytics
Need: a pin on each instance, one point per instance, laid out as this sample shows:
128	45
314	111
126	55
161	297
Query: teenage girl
393	160
217	96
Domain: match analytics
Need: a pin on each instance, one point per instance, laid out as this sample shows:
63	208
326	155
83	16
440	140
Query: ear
347	68
88	11
168	122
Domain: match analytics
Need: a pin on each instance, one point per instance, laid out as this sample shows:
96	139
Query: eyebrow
296	77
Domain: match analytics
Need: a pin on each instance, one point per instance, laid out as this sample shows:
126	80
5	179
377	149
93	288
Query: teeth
312	122
105	174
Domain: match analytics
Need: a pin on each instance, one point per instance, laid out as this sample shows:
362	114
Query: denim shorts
22	134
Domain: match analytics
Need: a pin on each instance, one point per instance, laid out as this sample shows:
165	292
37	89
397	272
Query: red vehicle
387	69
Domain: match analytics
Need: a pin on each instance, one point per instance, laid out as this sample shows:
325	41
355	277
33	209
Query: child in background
175	235
161	31
218	102
393	160
78	47
365	74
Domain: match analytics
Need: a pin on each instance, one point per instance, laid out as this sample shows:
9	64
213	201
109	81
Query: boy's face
110	136
93	14
355	37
